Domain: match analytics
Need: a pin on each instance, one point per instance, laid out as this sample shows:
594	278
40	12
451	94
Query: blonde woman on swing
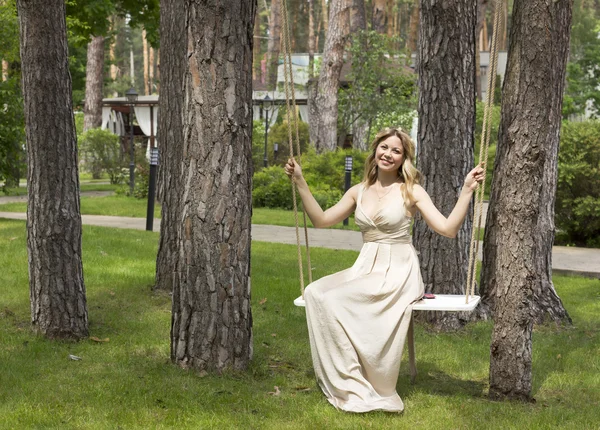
358	318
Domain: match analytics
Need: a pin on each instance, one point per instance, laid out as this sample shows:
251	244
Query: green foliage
9	31
577	210
278	134
324	174
582	91
141	177
380	86
12	132
101	152
87	18
12	121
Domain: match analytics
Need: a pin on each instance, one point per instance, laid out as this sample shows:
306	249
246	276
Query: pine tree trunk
274	44
151	61
516	275
378	16
94	82
325	15
358	16
256	53
413	32
57	290
481	22
146	88
114	69
390	18
211	316
173	60
311	41
323	107
446	61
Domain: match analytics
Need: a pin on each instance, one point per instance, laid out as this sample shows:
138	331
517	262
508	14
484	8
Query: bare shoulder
353	191
418	192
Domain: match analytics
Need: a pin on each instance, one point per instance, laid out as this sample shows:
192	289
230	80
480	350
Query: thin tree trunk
390	17
481	23
157	72
57	290
324	106
146	89
413	34
378	16
274	44
4	70
516	275
94	81
358	16
131	67
256	53
311	41
325	15
446	62
211	317
151	61
114	69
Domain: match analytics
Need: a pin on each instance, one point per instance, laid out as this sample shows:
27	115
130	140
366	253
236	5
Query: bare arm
320	219
439	223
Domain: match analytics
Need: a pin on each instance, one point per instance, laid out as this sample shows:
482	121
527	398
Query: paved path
568	260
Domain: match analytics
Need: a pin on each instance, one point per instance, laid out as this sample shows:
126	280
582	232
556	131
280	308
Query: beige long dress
358	318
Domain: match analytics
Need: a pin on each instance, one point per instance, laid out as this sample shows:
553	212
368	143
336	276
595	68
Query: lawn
90	185
130	207
127	381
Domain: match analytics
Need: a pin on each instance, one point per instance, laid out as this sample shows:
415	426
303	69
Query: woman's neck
386	180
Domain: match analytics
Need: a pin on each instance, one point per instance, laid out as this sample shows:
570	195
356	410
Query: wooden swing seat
442	302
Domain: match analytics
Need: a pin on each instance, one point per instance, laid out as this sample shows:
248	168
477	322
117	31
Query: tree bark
256	54
151	61
94	82
323	108
173	61
146	85
516	275
413	28
311	41
274	44
57	290
358	16
378	16
446	62
479	32
211	317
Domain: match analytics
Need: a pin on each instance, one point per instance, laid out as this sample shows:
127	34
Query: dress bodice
390	224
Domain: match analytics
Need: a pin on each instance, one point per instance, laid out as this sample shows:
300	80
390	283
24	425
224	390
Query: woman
358	318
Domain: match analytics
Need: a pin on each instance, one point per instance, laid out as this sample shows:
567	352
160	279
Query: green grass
128	382
85	186
130	207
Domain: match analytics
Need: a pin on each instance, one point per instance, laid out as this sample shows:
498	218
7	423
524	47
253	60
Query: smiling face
389	154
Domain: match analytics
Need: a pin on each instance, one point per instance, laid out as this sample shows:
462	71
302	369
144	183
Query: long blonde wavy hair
408	173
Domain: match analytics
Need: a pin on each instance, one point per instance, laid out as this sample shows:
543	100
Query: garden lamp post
132	97
267	106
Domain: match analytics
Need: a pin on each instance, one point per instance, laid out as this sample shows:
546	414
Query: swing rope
292	120
483	153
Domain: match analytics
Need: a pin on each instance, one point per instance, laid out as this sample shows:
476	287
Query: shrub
278	134
324	174
577	210
101	152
